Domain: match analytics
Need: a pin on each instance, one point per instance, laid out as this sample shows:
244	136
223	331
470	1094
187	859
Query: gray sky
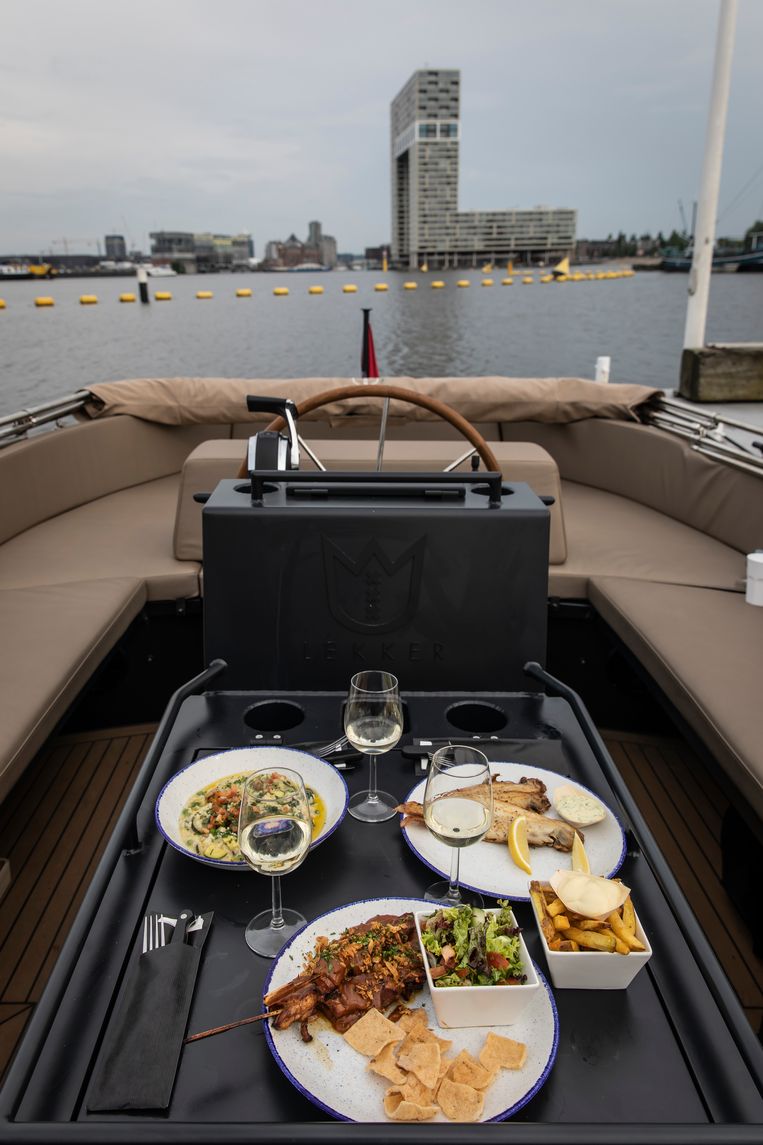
259	115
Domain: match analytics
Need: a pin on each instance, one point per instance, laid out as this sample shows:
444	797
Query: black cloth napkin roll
138	1062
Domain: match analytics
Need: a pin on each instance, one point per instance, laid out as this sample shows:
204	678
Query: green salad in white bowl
469	954
467	946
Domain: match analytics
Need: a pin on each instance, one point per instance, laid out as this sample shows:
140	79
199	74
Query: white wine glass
458	811
274	835
373	723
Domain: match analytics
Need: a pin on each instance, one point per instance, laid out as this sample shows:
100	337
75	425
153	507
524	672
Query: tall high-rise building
427	226
424	141
116	248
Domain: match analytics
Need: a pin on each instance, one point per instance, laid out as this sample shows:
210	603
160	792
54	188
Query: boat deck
55	823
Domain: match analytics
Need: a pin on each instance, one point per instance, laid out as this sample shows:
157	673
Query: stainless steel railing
708	433
15	426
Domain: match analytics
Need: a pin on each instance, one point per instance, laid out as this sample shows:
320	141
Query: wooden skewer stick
230	1026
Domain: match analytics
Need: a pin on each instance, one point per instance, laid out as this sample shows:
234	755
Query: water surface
539	330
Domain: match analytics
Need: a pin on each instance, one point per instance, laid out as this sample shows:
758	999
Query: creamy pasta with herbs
209	819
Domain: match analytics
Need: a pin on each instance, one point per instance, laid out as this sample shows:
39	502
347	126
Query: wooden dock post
723	372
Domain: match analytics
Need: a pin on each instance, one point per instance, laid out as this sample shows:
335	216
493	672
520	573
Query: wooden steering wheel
473	436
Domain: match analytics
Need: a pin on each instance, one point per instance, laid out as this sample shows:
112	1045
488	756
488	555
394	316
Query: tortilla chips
426	1082
372	1033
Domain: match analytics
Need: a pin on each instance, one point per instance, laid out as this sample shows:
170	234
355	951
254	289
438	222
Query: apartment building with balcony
427	226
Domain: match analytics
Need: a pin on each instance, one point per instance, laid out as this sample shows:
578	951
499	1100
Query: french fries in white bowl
601	952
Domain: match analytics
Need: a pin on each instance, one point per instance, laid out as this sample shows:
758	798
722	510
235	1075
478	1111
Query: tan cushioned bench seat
54	636
704	648
609	535
57	471
214	461
128	533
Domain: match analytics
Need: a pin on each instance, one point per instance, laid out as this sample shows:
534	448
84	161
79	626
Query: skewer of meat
370	965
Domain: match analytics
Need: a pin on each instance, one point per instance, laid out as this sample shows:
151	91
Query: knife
184	918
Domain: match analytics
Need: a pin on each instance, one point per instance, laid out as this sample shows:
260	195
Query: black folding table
670	1059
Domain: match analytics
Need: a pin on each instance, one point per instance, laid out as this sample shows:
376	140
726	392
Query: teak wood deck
55	823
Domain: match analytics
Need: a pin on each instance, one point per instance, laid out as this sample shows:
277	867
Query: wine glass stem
372	797
276	921
455	859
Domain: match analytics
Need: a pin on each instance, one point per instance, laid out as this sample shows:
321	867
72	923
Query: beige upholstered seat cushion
54	636
214	461
704	648
128	533
59	470
660	471
609	535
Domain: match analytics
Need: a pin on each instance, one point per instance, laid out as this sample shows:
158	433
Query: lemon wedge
518	848
579	857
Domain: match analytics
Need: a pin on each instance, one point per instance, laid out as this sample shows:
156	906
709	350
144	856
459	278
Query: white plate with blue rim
320	777
334	1076
488	867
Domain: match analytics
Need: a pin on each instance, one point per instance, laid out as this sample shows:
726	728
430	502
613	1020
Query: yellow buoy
463	282
243	292
547	278
487	282
2	304
280	291
381	286
507	281
204	294
126	297
163	296
527	280
44	301
315	290
561	278
410	285
88	299
350	289
438	285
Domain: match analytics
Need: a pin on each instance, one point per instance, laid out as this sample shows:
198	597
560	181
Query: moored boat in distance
744	261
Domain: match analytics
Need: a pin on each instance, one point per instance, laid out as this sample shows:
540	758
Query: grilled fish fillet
541	831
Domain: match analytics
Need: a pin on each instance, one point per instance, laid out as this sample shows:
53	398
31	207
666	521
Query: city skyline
250	118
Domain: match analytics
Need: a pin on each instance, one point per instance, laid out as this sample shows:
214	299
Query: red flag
368	366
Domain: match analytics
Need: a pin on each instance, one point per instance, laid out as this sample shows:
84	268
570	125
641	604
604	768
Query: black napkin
139	1059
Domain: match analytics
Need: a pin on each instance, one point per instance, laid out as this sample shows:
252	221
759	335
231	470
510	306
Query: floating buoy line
556	276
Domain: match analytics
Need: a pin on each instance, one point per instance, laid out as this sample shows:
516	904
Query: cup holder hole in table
274	716
476	716
246	487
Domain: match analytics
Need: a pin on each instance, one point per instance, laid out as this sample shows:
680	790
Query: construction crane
64	242
684	224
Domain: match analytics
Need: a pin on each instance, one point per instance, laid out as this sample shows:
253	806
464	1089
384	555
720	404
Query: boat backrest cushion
214	461
360	427
656	469
56	471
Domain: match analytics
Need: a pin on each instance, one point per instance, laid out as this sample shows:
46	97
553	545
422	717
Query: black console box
436	578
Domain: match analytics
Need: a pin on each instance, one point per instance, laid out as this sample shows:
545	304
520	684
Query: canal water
535	330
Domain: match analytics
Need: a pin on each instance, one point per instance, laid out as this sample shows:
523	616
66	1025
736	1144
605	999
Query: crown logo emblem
372	593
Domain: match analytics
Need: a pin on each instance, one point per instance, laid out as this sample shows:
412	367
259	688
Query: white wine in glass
274	835
373	723
458	811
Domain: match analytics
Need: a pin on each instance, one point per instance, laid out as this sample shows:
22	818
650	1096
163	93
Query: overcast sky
259	115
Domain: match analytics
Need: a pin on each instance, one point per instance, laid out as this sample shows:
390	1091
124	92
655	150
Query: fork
330	748
153	932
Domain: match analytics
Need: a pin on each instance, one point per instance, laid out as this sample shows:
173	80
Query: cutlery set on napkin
151	1016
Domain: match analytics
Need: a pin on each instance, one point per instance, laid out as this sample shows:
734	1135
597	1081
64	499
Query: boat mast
704	235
